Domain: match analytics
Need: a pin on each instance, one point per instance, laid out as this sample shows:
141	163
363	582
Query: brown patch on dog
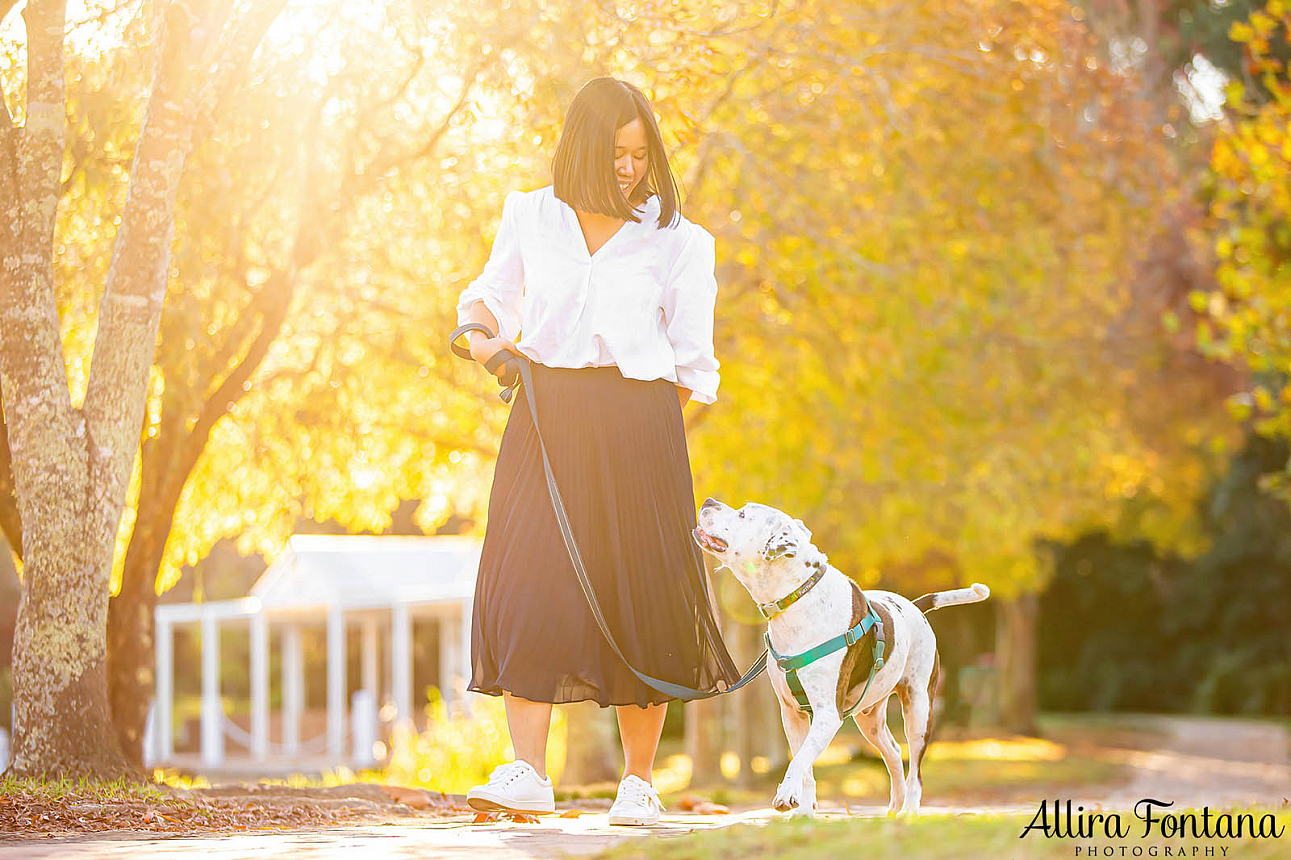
852	656
857	662
889	631
933	680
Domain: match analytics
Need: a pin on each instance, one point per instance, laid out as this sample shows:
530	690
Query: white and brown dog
771	554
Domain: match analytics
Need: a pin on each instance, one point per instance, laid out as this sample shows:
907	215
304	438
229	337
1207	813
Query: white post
259	687
363	728
401	660
293	688
335	682
446	625
464	653
150	736
368	652
164	697
212	708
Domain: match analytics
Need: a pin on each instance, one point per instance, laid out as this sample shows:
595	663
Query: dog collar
775	607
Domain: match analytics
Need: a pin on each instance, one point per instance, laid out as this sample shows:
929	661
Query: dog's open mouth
709	542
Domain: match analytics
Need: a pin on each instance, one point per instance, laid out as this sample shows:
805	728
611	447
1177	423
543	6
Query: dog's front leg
824	725
796	725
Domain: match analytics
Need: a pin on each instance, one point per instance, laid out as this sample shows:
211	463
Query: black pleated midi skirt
617	448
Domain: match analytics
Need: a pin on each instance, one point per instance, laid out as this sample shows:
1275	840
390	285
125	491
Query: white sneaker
513	787
637	802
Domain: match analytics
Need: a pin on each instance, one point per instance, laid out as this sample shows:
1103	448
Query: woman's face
631	157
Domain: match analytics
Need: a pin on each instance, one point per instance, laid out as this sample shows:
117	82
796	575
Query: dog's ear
781	545
804	528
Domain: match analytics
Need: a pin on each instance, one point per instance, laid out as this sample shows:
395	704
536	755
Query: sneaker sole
633	819
484	804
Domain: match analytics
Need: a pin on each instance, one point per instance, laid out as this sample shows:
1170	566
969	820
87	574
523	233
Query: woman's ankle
541	771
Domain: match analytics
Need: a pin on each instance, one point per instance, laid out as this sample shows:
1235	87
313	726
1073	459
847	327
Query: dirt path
1207	761
1195	762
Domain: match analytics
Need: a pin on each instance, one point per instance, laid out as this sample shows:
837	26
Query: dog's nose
709	502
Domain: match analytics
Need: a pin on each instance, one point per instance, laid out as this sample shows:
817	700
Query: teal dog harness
791	665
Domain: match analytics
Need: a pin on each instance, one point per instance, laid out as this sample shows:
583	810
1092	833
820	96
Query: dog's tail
938	599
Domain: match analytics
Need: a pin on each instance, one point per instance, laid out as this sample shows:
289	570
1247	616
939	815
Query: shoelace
641	792
505	774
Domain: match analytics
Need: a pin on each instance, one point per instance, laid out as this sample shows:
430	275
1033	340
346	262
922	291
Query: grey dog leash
520	373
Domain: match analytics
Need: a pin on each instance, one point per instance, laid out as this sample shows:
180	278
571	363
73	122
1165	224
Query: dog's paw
786	797
803	811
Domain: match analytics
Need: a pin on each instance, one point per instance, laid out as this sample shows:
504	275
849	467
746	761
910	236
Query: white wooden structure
379	583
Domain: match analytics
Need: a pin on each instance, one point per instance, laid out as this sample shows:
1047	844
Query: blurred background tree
1246	310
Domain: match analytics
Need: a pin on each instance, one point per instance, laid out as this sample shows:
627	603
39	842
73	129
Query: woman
614	292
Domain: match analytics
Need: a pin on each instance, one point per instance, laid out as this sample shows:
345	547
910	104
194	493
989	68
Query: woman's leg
529	723
640	729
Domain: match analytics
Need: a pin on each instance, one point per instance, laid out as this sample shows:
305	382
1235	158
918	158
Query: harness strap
791	665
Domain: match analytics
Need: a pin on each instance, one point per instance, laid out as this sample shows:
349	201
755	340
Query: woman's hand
483	349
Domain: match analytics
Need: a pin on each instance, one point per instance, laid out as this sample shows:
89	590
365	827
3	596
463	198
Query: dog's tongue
706	538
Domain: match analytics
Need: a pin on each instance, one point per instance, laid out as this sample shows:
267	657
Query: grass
930	837
34	808
981	770
61	789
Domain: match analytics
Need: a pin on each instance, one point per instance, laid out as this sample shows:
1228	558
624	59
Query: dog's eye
741	514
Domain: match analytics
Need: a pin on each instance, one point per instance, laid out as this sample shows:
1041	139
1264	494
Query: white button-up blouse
644	301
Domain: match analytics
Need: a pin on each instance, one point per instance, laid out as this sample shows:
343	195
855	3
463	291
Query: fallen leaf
412	797
707	807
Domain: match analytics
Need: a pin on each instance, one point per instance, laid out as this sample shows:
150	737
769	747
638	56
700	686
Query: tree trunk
704	717
62	721
131	630
131	619
591	751
71	467
757	715
704	739
171	455
1015	638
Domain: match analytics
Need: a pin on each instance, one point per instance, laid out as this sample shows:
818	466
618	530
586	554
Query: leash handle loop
511	379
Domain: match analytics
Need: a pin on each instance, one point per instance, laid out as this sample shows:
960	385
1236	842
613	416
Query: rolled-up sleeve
501	284
689	299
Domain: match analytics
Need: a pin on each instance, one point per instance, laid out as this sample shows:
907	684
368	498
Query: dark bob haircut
583	168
